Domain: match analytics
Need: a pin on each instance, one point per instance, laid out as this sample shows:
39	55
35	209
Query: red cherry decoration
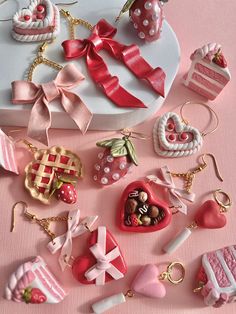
171	137
183	136
151	201
26	17
170	126
39	16
209	216
40	8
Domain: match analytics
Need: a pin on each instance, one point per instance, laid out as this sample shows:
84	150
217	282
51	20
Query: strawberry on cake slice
209	72
33	283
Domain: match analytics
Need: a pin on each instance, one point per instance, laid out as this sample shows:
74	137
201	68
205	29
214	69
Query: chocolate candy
146	220
142	196
131	205
153	211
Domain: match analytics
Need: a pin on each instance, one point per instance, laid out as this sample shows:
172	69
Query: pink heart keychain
147	282
209	216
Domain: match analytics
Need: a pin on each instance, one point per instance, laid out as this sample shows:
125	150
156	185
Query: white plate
15	58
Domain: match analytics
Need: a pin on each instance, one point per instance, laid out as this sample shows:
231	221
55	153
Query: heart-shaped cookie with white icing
39	22
174	138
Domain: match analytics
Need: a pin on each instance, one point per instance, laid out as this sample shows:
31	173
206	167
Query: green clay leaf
131	151
119	152
107	143
125	8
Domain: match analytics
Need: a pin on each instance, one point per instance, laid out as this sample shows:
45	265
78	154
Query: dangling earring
41	95
174	137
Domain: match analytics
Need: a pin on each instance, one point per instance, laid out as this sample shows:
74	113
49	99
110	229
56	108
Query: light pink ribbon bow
174	193
103	265
40	95
75	229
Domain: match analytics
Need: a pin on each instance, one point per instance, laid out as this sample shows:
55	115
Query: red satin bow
101	38
24	92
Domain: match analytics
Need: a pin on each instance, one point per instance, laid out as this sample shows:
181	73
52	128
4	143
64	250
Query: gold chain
73	22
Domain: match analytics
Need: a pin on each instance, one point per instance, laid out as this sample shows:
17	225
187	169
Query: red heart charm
141	211
209	216
147	282
83	264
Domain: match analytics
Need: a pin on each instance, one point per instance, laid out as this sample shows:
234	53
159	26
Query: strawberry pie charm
147	282
147	17
210	215
174	137
115	161
53	171
33	283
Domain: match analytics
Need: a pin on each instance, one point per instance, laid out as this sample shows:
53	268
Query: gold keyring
168	274
226	205
208	108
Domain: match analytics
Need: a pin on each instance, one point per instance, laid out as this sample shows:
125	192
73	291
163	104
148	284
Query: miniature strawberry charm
147	282
209	216
34	283
140	211
113	164
53	171
147	17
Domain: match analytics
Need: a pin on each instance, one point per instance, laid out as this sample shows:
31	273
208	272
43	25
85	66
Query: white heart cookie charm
173	138
39	22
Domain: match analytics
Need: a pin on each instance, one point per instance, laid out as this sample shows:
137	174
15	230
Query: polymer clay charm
34	283
53	171
7	153
115	161
147	282
101	38
146	16
209	72
140	211
174	137
209	216
40	21
216	277
103	262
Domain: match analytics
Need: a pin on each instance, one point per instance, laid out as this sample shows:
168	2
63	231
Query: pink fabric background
195	23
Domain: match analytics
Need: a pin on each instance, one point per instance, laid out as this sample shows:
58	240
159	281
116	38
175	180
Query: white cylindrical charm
175	243
108	303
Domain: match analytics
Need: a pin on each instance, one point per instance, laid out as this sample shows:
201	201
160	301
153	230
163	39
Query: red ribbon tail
141	69
118	95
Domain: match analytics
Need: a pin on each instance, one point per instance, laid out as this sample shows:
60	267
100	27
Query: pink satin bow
24	92
75	229
103	265
101	38
174	193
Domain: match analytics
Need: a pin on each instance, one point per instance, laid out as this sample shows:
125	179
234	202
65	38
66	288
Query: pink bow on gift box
75	229
103	265
25	92
174	193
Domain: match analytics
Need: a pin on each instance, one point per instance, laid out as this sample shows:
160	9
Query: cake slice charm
209	72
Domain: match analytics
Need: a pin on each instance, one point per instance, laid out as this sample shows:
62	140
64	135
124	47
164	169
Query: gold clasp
168	273
224	206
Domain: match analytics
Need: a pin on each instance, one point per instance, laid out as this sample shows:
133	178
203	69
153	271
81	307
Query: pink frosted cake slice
208	73
33	283
39	22
217	276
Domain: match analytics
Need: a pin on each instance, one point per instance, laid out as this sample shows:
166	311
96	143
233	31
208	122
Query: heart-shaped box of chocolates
141	211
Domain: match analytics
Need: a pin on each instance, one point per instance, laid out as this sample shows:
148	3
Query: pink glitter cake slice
218	276
208	73
32	282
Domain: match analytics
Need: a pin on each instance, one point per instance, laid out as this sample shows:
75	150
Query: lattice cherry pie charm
53	171
39	22
147	282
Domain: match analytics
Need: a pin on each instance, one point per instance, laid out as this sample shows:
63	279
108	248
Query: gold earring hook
224	206
208	108
66	4
214	163
168	273
25	206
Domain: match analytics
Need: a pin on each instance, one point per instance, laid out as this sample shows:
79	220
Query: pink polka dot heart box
164	53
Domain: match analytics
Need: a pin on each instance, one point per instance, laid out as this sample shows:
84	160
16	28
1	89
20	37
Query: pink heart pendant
147	282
